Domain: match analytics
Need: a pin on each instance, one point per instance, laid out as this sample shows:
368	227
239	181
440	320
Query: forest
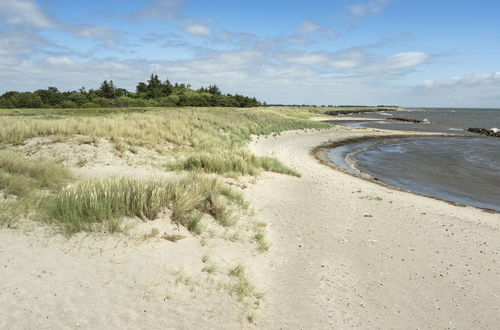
152	93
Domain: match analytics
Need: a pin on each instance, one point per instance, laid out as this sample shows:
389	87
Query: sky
403	52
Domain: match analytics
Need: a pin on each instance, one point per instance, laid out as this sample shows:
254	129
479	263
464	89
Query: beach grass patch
231	163
260	239
20	176
240	285
101	205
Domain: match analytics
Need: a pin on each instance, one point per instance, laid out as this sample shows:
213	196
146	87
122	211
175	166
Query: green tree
50	96
107	89
141	88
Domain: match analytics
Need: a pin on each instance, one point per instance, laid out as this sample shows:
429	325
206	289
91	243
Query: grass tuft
240	285
194	224
20	176
260	239
98	205
230	162
210	269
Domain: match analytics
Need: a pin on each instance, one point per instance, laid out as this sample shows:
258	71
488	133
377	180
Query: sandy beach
348	253
345	253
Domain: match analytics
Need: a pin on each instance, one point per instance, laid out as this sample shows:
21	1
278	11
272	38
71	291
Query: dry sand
345	253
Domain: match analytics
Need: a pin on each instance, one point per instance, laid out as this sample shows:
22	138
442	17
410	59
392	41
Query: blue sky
406	52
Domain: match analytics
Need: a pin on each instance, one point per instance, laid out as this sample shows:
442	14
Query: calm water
459	169
439	119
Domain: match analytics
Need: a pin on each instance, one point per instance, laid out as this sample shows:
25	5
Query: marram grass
230	162
20	176
188	129
209	139
101	205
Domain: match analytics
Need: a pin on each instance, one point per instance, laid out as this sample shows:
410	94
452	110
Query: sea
463	170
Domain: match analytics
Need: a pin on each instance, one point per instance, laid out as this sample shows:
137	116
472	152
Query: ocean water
464	170
437	119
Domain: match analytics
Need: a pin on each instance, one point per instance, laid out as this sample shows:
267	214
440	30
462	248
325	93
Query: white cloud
307	59
308	27
474	90
344	64
16	42
198	30
400	61
25	12
59	61
235	61
372	7
348	60
85	30
104	33
467	80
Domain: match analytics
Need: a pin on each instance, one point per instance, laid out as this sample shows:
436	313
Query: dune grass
230	162
199	128
21	176
209	139
101	205
240	286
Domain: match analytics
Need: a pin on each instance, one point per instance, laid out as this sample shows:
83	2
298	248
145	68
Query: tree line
152	93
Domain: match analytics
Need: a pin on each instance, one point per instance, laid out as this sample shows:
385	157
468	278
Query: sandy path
350	253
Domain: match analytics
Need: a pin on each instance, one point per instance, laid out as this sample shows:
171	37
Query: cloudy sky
406	52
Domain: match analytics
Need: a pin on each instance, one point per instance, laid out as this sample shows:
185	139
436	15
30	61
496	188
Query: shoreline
320	153
350	253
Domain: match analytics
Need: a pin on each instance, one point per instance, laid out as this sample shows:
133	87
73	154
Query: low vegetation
244	291
240	286
230	162
208	139
21	176
96	205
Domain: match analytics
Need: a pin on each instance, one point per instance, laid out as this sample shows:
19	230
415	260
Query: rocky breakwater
495	132
406	120
355	111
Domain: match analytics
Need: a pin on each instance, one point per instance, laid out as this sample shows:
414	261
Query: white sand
345	253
